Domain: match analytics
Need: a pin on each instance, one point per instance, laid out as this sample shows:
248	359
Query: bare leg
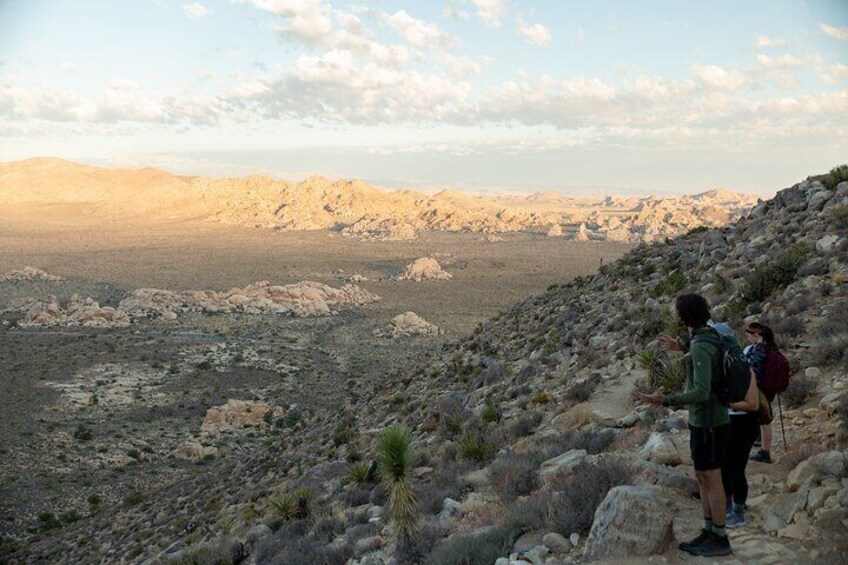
765	431
717	500
703	488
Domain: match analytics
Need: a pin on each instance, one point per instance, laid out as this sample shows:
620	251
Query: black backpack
732	382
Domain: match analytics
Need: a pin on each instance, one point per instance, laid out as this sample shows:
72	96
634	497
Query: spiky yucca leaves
394	457
665	372
292	505
357	472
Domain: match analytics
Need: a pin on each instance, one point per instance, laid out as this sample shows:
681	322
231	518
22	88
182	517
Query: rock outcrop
237	415
408	324
77	312
29	274
425	268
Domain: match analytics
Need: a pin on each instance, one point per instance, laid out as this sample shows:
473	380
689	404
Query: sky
617	97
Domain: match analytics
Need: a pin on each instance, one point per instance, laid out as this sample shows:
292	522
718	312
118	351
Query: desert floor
153	386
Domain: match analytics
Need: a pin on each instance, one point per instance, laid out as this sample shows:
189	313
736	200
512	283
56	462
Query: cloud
307	20
718	77
69	68
764	42
781	62
452	13
417	32
579	36
834	74
535	33
461	66
195	10
837	32
490	11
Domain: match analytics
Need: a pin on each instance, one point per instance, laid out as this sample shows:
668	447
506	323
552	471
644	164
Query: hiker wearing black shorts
761	339
709	424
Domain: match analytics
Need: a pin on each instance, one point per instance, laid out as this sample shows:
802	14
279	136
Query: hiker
709	424
762	345
744	430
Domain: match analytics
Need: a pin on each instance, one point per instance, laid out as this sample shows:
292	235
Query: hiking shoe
713	546
735	518
762	457
695	542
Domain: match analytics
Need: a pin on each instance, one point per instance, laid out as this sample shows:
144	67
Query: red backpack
776	378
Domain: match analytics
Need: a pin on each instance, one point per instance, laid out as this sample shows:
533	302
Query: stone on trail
423	269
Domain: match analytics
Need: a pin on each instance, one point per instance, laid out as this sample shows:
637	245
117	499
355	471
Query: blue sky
484	95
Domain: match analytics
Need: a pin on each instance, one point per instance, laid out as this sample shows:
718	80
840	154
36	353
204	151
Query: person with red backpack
772	371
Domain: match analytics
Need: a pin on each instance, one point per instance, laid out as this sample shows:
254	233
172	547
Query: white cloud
837	32
195	10
308	20
461	66
781	62
718	77
535	33
834	74
490	12
69	68
765	42
579	36
417	32
453	13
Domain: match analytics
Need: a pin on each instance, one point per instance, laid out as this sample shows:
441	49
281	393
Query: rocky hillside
528	446
353	207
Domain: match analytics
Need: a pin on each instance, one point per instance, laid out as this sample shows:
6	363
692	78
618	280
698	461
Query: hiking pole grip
782	428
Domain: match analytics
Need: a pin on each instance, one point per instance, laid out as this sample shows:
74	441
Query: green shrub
671	284
474	445
83	433
491	411
394	458
836	175
667	373
773	274
357	472
800	389
133	499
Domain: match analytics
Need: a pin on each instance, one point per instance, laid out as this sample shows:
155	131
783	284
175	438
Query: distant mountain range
353	207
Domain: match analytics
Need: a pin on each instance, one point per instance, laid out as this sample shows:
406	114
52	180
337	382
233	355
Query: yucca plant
394	458
292	505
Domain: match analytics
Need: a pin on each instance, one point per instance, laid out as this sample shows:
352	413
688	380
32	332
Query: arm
702	378
751	403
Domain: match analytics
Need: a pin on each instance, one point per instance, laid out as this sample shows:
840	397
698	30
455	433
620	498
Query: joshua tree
395	462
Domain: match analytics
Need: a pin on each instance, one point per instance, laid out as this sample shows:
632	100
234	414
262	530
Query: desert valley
172	368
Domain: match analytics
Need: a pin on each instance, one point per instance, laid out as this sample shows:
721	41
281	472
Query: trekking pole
782	428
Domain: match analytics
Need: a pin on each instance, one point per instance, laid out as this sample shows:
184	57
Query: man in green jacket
709	423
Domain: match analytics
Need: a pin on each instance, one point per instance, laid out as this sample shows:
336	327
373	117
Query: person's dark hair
764	331
693	310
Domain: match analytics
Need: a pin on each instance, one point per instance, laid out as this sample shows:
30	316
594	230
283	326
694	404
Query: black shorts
769	396
709	446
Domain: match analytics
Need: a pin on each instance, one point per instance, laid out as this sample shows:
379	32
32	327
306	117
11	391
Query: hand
669	343
655	397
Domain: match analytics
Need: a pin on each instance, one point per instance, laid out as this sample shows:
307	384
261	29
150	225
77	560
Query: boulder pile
29	274
425	268
408	324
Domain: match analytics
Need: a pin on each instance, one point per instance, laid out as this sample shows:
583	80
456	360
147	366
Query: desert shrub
800	389
327	528
800	452
671	284
581	391
542	398
842	408
394	449
571	505
655	322
773	274
665	372
476	446
790	326
473	549
356	495
446	481
224	551
83	433
293	505
288	547
413	550
840	217
49	521
834	177
357	472
514	474
133	499
491	411
203	366
526	423
697	229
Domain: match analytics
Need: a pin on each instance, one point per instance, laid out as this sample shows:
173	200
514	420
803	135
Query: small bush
836	175
526	423
83	433
772	275
801	388
412	551
471	549
475	446
790	326
671	284
224	551
842	408
203	366
665	372
582	391
357	472
800	452
133	499
491	411
514	475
